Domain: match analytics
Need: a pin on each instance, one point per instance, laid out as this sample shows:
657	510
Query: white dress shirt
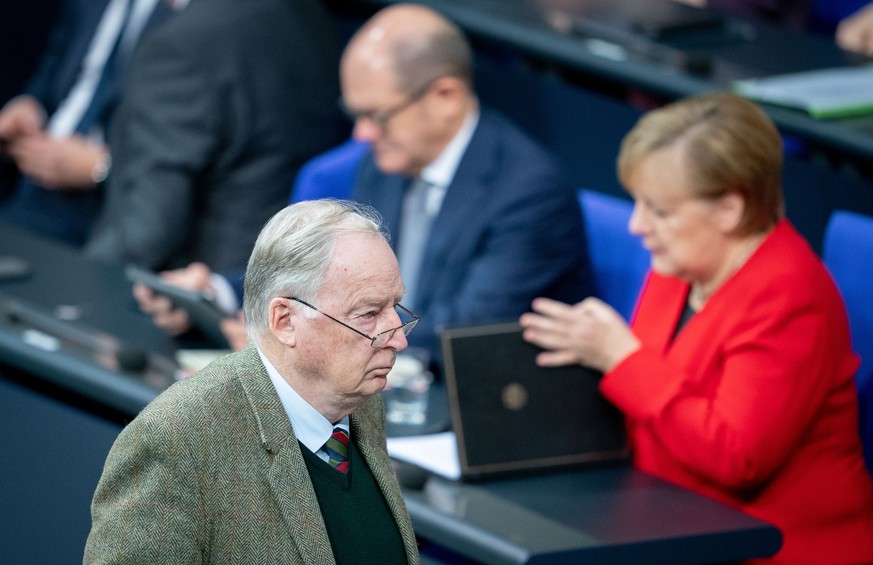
311	428
440	172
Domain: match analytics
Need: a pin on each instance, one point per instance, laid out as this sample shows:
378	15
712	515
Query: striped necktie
337	449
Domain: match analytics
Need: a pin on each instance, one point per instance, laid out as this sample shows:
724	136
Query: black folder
511	416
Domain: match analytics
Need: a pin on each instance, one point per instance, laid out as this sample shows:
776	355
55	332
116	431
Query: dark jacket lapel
465	198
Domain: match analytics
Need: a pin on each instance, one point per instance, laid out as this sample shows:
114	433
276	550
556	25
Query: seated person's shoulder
519	152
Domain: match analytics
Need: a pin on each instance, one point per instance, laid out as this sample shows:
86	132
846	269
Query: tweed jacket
211	472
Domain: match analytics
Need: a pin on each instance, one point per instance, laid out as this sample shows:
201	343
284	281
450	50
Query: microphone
130	359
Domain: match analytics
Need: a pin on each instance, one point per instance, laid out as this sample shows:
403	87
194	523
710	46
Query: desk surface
593	38
598	515
604	515
69	320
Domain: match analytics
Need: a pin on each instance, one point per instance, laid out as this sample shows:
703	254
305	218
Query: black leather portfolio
512	416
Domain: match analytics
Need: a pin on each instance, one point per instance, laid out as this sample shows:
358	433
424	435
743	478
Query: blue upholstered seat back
848	254
330	174
617	258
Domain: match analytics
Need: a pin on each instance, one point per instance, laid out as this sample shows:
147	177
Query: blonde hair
730	146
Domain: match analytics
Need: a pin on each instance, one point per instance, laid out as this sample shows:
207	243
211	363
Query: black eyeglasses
381	338
381	118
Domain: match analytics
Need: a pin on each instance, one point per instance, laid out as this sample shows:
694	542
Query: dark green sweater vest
359	523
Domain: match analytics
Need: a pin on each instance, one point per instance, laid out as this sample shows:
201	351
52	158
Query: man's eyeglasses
381	118
381	338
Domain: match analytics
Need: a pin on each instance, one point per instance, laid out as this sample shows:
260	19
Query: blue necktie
107	86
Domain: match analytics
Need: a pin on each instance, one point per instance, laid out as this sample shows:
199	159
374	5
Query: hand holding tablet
205	314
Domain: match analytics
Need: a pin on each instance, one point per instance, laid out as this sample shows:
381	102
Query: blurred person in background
55	131
736	375
222	105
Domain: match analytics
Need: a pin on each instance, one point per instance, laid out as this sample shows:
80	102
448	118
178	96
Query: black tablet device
205	313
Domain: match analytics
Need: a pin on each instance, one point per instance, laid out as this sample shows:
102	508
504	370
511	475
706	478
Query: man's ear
451	96
282	321
448	86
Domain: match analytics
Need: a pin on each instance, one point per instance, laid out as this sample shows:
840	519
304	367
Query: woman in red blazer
736	375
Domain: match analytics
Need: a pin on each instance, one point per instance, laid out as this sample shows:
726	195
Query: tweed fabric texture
193	479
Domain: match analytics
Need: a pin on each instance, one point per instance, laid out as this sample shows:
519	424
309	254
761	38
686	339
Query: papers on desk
827	93
437	453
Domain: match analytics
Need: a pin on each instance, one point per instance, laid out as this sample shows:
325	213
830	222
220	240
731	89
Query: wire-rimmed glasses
381	338
380	118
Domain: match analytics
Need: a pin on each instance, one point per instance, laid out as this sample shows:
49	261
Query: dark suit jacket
68	215
190	480
222	105
60	65
510	229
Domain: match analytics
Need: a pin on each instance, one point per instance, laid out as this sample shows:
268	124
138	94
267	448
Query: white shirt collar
441	170
311	428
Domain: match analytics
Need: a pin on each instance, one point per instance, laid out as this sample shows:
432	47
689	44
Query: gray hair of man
293	252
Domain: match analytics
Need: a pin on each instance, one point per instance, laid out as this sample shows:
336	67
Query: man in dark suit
275	454
222	105
504	225
54	132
